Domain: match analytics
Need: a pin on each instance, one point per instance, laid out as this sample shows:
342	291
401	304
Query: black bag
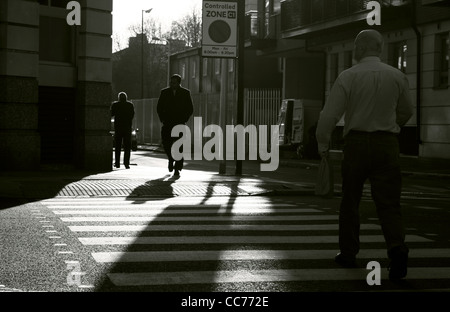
325	181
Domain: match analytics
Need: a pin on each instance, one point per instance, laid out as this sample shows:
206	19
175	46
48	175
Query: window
183	71
348	59
194	68
276	6
280	64
399	50
55	40
205	67
442	60
230	65
267	18
334	67
55	3
217	65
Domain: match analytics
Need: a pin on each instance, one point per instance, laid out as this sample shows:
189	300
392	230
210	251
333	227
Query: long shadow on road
179	246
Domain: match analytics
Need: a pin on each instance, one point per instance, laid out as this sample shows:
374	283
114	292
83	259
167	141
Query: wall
19	46
435	128
93	140
87	72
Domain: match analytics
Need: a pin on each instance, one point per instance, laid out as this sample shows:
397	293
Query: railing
261	107
299	13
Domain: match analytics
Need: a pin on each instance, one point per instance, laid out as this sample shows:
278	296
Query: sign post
223	37
219	32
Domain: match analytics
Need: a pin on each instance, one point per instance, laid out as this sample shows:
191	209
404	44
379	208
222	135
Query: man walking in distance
376	102
123	113
174	108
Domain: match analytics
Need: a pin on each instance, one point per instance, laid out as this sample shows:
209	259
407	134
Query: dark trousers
167	142
125	138
373	156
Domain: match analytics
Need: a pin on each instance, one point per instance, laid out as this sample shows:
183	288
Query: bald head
368	43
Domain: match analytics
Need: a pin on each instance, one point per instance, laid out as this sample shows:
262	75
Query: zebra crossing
223	243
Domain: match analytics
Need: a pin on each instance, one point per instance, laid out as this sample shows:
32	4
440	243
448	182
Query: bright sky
129	12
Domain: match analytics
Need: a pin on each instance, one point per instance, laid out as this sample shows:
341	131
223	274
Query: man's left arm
189	105
113	110
405	108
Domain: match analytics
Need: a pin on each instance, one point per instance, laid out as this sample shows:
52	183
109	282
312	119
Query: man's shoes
127	166
176	173
179	165
346	262
398	265
170	166
117	165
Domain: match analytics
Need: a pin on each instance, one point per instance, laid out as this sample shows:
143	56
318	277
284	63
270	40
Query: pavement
145	181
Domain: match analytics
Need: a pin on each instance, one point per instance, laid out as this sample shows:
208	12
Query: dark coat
123	113
175	109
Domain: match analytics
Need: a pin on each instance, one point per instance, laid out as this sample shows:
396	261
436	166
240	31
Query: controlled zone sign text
219	29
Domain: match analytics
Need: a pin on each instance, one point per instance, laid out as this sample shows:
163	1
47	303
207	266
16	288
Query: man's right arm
330	116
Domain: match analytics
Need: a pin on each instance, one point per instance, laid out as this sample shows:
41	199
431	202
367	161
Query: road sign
219	29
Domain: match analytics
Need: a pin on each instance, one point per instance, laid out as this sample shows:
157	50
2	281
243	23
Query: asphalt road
53	245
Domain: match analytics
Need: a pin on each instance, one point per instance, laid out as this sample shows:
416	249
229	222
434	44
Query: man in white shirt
376	101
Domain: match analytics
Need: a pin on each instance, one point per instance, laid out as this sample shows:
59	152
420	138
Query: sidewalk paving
142	181
156	182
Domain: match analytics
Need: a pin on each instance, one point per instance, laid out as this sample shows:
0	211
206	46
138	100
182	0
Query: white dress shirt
373	96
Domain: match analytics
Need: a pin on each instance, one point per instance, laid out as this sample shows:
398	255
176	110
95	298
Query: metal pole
240	100
169	45
142	57
222	113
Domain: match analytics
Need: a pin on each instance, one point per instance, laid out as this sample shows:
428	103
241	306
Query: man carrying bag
325	179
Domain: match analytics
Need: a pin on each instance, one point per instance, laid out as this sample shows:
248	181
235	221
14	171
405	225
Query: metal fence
261	107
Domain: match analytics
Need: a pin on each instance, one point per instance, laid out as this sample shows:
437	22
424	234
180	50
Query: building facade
55	85
313	39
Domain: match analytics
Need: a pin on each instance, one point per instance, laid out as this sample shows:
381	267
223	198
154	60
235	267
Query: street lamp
142	53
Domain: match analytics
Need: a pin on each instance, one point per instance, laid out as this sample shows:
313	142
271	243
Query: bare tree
117	44
188	29
151	29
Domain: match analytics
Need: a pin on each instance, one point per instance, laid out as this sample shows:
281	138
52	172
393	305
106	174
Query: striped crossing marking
234	211
224	255
227	230
165	240
223	218
199	227
245	276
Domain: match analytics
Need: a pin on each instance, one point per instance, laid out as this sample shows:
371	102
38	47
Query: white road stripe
177	219
247	276
176	211
222	209
182	200
165	206
236	255
201	227
171	203
132	240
